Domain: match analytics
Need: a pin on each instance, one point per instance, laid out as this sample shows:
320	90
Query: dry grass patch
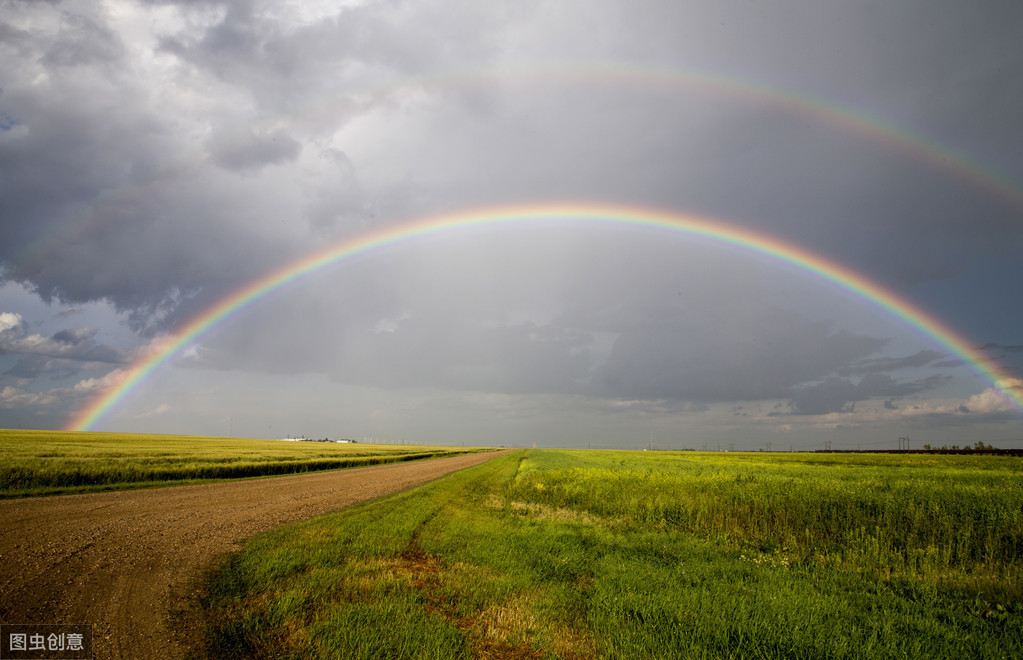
554	514
513	618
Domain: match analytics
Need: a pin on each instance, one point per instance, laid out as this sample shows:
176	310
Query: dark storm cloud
94	208
918	359
963	417
869	200
159	155
176	251
102	169
89	141
722	360
841	394
993	347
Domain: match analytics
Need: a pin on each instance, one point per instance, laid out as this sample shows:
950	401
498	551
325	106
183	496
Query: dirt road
127	561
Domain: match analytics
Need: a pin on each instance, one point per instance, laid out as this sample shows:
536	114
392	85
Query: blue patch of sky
7	122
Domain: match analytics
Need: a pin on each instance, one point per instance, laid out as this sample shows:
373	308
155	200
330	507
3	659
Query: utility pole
904	443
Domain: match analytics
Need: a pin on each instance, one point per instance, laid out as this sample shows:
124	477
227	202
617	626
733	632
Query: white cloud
73	344
989	401
12	397
9	322
90	386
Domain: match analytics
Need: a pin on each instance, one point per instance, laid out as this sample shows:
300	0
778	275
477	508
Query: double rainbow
537	216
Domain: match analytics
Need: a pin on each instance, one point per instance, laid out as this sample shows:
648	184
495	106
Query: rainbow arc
537	216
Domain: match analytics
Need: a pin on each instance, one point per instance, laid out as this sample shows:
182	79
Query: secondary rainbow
818	109
822	110
538	216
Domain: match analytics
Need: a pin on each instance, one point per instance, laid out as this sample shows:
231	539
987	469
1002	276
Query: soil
129	562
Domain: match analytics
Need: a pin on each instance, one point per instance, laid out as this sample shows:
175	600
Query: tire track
127	561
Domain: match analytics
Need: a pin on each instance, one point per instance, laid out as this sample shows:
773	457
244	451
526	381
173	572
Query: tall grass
616	554
53	462
941	515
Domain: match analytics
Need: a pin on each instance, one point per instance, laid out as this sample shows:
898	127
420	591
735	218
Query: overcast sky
155	156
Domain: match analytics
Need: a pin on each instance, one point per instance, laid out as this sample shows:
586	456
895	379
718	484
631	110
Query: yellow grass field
54	462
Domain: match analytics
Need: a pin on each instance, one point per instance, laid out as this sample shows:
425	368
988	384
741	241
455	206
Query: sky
159	156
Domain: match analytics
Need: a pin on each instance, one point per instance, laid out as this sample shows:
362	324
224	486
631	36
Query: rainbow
539	215
820	110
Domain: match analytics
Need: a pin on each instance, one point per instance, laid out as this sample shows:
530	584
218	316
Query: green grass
57	462
632	555
912	514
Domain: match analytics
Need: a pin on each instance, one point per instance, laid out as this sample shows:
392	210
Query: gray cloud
62	355
248	150
993	347
159	155
82	41
875	365
516	358
285	67
722	362
841	394
14	37
307	74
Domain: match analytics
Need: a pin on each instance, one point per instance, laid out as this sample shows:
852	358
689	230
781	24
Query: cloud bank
158	155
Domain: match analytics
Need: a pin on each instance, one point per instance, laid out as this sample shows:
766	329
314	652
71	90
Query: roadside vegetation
59	462
579	554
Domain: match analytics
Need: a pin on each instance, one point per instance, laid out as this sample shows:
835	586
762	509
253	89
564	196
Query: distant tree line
977	446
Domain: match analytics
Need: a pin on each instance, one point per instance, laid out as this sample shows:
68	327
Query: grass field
57	462
578	554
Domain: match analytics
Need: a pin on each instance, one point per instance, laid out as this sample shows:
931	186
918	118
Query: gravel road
127	561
